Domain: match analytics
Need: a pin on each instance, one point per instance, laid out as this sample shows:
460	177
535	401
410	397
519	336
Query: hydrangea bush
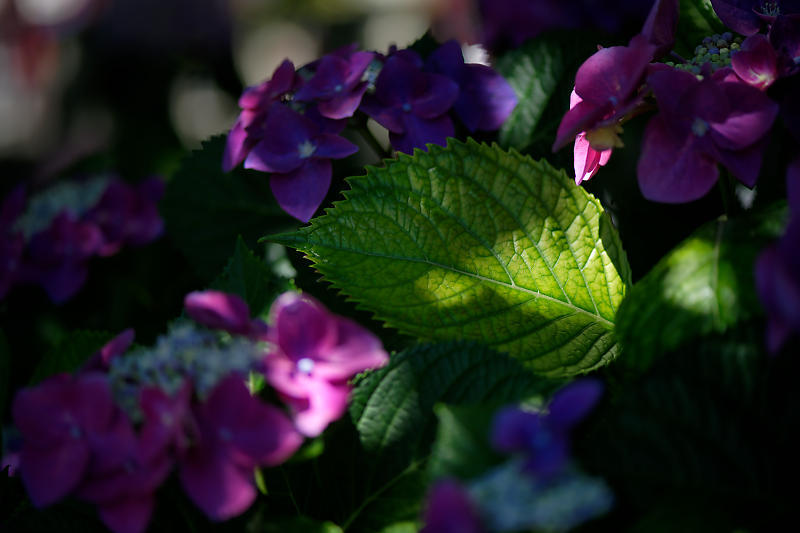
449	328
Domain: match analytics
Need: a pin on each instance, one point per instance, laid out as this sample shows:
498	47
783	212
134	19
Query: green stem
726	192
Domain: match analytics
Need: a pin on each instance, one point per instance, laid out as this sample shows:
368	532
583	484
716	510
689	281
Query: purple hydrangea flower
450	510
236	433
784	35
128	215
659	28
543	437
778	272
220	310
297	152
337	85
701	122
249	127
315	353
58	257
485	99
62	422
748	16
411	104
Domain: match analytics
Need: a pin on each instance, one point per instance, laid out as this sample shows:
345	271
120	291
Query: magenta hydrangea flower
236	433
411	104
587	161
485	99
314	354
62	422
297	152
450	510
337	84
756	62
543	437
749	16
607	84
221	310
100	361
701	123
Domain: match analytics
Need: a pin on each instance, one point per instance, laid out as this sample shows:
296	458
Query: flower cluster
49	238
290	125
538	488
713	109
112	433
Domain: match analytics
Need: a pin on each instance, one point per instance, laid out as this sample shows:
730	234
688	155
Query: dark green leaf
251	278
472	242
697	20
72	350
462	448
704	285
205	209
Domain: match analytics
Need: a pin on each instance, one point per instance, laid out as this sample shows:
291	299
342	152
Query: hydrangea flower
748	16
411	104
236	433
314	354
756	62
450	510
337	84
587	160
220	310
543	437
297	152
701	122
485	99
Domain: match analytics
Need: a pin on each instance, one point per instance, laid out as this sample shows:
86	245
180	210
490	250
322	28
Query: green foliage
72	350
472	242
462	448
534	72
205	209
697	20
705	285
251	278
392	409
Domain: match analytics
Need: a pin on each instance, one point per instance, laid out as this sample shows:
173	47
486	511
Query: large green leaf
697	20
205	209
472	242
534	72
704	285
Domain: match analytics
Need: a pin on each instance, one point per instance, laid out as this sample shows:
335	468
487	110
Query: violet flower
337	85
314	354
249	127
701	123
778	272
784	35
236	433
544	437
220	310
450	510
61	421
485	99
297	153
756	62
411	104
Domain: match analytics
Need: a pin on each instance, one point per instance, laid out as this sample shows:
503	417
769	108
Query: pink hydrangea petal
302	327
218	310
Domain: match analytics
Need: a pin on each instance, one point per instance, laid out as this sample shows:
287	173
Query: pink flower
314	354
587	160
220	310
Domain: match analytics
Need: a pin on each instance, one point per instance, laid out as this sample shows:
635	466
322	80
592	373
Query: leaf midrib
473	275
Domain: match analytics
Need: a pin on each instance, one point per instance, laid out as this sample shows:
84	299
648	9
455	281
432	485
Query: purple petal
324	403
486	99
511	429
447	60
750	118
101	360
129	515
450	510
343	106
440	95
420	131
673	169
744	164
356	349
738	15
612	74
756	62
301	326
237	146
580	117
573	402
50	473
660	26
301	192
218	310
220	488
280	149
333	147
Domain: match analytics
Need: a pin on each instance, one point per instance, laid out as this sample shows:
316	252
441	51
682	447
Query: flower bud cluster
48	239
716	51
112	433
